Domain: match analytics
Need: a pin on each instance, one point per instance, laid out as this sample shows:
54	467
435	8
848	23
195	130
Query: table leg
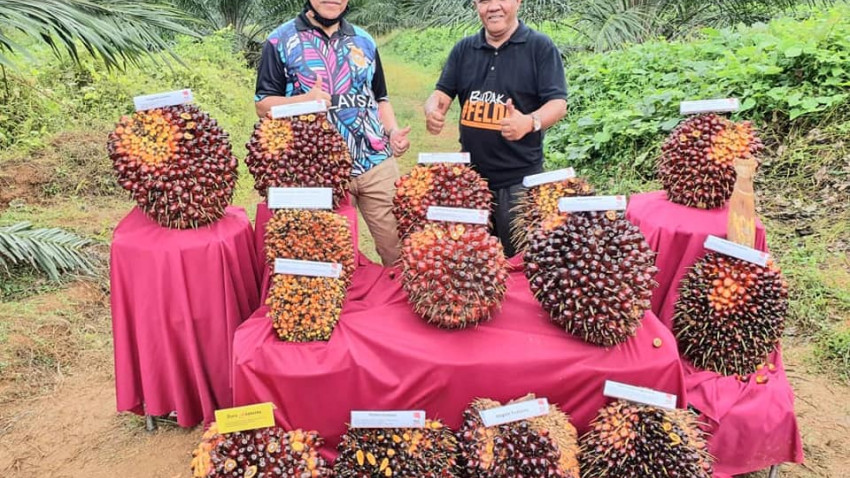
150	423
774	471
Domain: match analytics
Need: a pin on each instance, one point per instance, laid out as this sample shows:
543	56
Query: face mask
325	22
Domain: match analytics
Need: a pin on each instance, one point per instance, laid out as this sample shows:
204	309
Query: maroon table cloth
177	299
264	214
382	356
753	426
677	233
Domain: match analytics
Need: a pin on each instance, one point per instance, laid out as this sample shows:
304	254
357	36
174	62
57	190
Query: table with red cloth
264	214
753	426
382	356
177	298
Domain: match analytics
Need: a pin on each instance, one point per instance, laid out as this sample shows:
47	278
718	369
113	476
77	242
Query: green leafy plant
50	250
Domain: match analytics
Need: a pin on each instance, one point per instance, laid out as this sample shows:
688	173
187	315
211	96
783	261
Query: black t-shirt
528	69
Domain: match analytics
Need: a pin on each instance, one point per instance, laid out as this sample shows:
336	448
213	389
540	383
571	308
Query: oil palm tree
116	32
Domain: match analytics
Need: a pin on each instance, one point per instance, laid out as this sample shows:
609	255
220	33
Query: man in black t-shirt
509	80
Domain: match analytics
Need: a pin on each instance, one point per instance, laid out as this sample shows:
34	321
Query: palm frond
52	251
115	31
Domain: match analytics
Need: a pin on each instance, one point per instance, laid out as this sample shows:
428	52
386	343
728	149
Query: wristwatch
535	122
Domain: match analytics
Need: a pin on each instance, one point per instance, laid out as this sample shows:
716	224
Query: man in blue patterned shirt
320	56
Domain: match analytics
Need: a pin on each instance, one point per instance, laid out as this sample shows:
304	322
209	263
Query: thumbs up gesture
399	141
316	93
515	125
435	118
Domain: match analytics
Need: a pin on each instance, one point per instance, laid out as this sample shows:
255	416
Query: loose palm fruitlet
643	441
545	446
447	185
593	273
730	314
429	452
540	202
454	274
177	164
302	151
309	235
305	309
697	160
265	453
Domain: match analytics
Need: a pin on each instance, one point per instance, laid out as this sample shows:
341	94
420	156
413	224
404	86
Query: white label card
646	396
301	198
514	412
592	203
388	419
307	268
728	105
549	177
161	100
458	214
454	158
298	109
716	244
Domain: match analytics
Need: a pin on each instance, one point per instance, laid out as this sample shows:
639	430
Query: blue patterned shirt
294	56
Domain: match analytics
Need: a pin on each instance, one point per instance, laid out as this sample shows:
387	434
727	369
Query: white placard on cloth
301	198
549	177
458	214
716	244
388	419
514	412
161	100
307	268
727	105
592	203
454	158
298	109
646	396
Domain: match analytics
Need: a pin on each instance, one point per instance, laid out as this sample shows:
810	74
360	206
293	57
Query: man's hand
399	141
317	94
515	125
436	119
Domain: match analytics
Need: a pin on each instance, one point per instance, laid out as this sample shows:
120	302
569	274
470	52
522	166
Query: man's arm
516	124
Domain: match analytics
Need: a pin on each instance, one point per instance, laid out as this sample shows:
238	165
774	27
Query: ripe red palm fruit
730	314
454	274
177	164
697	160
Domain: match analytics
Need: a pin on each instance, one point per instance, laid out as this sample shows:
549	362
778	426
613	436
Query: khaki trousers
373	192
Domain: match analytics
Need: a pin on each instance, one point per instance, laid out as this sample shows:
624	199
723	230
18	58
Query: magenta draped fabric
177	299
753	426
383	356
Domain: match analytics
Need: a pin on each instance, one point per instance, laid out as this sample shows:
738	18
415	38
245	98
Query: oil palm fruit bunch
310	235
540	202
697	160
545	446
305	309
730	314
593	273
299	151
628	439
447	185
177	164
264	453
429	452
454	274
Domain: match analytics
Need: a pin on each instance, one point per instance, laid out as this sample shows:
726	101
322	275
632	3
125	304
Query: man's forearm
551	112
387	115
